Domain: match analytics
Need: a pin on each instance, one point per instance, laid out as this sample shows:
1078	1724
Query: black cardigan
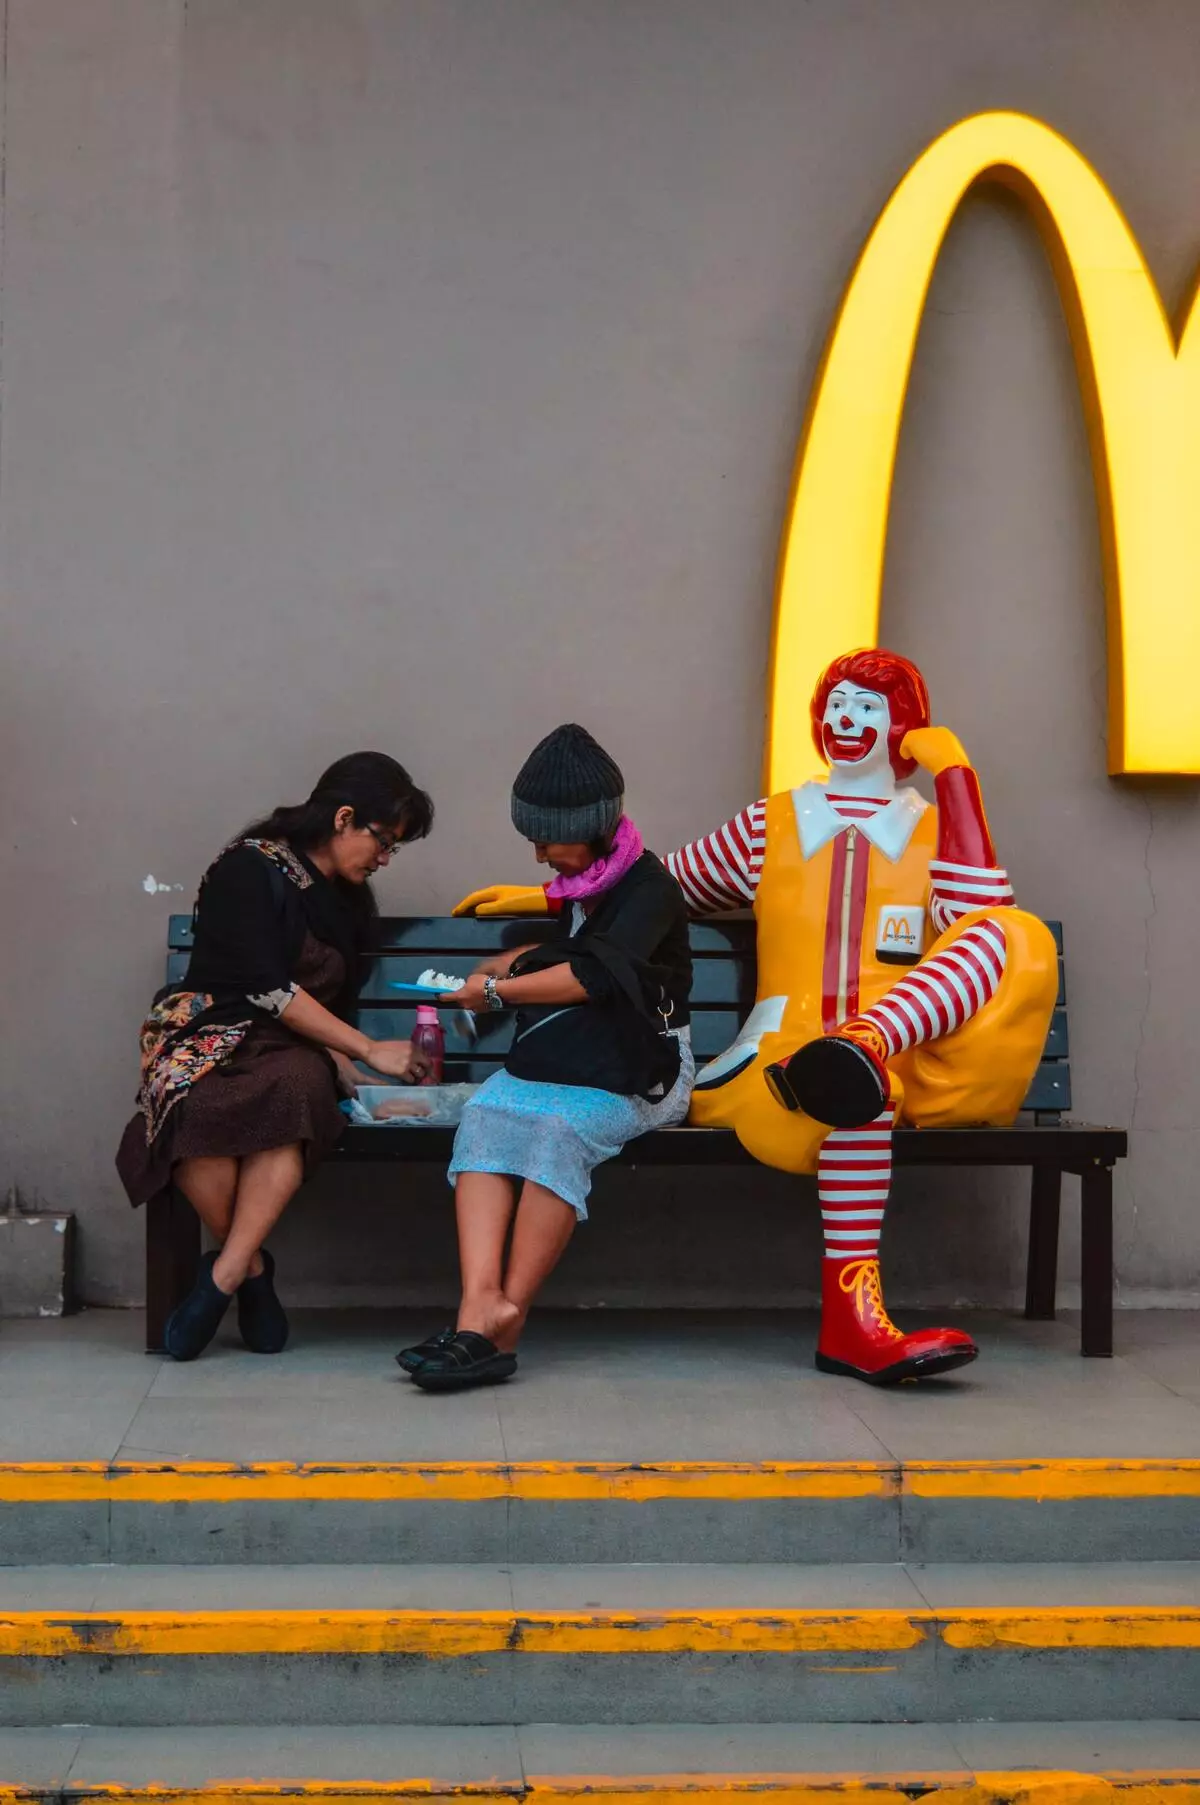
250	923
632	956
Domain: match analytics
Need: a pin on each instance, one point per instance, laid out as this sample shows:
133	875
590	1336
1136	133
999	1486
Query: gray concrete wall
347	340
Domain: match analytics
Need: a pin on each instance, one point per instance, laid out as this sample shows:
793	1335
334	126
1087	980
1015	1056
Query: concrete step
618	1644
967	1763
549	1511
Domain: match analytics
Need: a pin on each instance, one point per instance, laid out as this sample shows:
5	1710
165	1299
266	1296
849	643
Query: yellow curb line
466	1481
469	1481
443	1635
1019	1787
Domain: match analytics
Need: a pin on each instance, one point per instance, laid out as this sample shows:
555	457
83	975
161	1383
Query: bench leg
172	1258
1096	1261
1041	1272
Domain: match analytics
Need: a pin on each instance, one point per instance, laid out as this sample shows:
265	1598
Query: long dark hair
379	790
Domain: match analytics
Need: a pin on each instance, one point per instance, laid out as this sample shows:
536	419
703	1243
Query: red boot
859	1338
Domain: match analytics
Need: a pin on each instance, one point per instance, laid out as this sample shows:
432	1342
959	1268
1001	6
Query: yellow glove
505	899
936	749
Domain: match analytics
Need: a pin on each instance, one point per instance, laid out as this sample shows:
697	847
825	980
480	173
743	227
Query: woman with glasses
245	1061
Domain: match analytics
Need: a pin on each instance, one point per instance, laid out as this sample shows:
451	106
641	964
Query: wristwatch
491	996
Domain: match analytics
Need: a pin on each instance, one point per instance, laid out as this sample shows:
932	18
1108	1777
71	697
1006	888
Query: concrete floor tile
49	1425
1151	1328
595	1385
96	1330
396	1425
599	1417
755	1587
1176	1365
796	1748
189	1757
1081	1747
1048	1584
37	1758
50	1588
306	1588
929	1422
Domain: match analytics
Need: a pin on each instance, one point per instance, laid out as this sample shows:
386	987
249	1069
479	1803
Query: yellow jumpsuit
820	924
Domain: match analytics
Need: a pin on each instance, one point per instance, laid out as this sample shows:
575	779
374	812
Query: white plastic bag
424	1105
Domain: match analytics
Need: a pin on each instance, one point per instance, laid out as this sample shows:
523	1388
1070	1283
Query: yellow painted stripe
443	1635
1092	1626
1047	1479
1021	1787
280	1481
227	1482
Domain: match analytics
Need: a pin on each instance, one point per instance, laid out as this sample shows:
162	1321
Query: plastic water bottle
429	1039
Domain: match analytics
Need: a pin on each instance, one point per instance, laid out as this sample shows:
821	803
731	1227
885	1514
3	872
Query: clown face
854	735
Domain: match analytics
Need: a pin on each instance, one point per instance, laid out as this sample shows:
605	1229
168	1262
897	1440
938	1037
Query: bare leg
544	1225
484	1203
267	1182
210	1186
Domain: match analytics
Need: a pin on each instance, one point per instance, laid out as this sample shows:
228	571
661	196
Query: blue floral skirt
557	1134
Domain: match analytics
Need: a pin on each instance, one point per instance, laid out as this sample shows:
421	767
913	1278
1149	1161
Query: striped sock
942	993
854	1176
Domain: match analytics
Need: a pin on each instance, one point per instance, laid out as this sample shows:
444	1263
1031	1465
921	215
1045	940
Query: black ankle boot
261	1319
194	1322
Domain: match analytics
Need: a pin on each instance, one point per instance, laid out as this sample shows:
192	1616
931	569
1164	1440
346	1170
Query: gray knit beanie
568	791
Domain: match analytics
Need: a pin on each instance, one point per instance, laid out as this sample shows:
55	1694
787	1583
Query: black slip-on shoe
409	1358
193	1323
464	1360
262	1320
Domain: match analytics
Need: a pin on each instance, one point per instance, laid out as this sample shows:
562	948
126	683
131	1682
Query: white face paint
854	731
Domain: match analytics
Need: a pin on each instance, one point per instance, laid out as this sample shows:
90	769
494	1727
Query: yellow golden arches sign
1141	392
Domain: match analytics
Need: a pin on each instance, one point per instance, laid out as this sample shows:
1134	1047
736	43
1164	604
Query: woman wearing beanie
243	1062
600	1053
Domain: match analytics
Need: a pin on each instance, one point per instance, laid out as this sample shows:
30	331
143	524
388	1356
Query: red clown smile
844	749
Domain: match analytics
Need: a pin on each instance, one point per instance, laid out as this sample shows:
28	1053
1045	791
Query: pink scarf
626	850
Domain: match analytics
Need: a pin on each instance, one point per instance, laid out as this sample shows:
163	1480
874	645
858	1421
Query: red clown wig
892	676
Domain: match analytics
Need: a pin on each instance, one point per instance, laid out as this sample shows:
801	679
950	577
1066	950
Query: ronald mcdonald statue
897	983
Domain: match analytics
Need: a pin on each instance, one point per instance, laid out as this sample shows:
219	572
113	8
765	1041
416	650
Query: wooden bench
722	995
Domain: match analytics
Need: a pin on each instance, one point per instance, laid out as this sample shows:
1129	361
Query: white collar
889	831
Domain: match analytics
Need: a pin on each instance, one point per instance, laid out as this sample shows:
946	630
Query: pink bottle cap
427	1015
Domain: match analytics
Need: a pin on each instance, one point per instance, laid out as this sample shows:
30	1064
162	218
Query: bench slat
1050	1092
712	1031
435	935
721	991
732	934
1070	1147
1051	1087
718	981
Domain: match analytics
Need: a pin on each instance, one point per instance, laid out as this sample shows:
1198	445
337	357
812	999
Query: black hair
379	790
382	794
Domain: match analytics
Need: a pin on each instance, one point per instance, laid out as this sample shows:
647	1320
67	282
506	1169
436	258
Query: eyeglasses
387	843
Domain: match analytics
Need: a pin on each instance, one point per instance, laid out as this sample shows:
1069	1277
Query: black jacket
250	923
631	955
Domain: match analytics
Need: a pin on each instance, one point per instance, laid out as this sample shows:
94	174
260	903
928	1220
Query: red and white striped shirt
722	870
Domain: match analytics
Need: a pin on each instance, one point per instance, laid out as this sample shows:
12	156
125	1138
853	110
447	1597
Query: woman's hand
471	995
498	965
348	1074
397	1059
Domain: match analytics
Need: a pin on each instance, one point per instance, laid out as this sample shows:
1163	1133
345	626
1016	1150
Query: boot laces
862	1278
865	1034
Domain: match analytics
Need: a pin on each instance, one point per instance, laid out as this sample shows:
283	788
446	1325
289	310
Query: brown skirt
274	1091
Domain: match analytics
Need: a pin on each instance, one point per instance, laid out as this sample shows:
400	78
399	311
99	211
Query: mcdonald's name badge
901	934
